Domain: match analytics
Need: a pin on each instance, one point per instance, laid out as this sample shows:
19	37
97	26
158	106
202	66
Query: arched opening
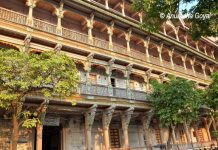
119	42
117	79
137	82
98	75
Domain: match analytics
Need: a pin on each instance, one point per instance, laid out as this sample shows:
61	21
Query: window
92	78
115	138
113	82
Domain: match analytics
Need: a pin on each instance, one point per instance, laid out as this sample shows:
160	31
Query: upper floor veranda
65	21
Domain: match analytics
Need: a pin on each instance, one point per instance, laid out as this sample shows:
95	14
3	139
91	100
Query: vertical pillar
159	49
39	134
203	66
186	39
170	52
39	126
87	68
164	29
122	5
211	68
27	42
109	73
60	14
146	45
110	30
106	4
197	47
89	24
212	54
186	127
89	119
125	120
128	37
192	61
107	116
177	33
184	61
207	127
205	50
31	4
127	75
140	17
146	123
148	76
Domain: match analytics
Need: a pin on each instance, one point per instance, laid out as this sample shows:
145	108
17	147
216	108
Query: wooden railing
12	16
119	49
73	35
101	43
19	18
102	90
44	26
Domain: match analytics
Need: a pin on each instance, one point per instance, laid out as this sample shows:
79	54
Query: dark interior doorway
51	138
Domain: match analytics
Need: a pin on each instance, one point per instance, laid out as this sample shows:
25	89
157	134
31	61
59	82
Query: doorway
51	138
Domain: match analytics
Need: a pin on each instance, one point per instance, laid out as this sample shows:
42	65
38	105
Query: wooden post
39	134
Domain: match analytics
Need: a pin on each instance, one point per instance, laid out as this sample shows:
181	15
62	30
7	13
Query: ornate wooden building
116	59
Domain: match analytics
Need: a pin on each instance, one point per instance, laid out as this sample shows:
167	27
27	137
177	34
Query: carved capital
107	116
125	118
146	119
88	63
148	74
110	66
128	35
90	21
31	3
27	42
58	47
160	48
128	70
162	76
89	117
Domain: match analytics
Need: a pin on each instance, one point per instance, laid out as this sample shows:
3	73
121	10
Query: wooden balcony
101	90
44	26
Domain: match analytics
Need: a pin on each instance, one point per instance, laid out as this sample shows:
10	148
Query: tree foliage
176	102
159	11
48	74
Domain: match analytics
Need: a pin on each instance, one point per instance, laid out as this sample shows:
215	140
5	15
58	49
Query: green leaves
49	74
176	102
202	16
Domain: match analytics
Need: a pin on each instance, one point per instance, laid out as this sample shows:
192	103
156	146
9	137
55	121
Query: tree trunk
186	127
169	138
15	132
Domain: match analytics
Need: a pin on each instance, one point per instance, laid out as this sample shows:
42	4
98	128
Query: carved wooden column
127	75
109	73
196	44
177	33
31	4
162	76
39	126
146	45
211	68
125	120
186	39
89	119
203	66
212	54
106	4
122	5
140	17
110	30
205	50
192	61
184	61
170	52
87	68
148	76
89	24
106	119
60	14
146	120
128	37
27	42
159	49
